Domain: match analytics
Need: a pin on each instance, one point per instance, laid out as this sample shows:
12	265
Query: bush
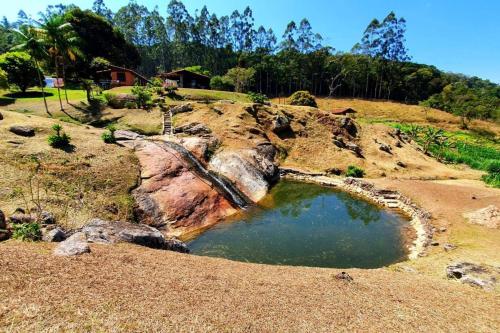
26	231
4	83
221	83
354	171
303	98
109	135
156	82
257	98
142	95
130	105
59	139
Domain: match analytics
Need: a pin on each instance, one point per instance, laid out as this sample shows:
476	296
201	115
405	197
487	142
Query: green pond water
304	224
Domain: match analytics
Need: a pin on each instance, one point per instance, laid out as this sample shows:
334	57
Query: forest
240	56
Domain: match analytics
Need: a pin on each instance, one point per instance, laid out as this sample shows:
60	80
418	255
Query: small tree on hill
20	69
240	77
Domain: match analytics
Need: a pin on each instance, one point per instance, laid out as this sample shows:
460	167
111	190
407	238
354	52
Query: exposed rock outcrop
75	245
54	234
280	123
194	129
248	170
488	217
23	130
4	233
103	232
176	194
472	274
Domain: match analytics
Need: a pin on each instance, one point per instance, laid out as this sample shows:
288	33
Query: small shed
187	79
116	76
343	111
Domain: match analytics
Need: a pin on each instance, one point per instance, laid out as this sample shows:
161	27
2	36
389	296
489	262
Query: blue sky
454	35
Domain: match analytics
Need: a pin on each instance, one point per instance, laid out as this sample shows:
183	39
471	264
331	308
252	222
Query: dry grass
126	288
92	181
310	146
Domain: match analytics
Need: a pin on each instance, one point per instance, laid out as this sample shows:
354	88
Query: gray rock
472	274
349	125
104	232
267	150
339	141
23	130
385	147
173	244
193	129
334	171
122	135
21	217
449	247
53	234
73	246
181	108
3	222
401	164
344	276
280	124
47	218
354	148
1	116
249	171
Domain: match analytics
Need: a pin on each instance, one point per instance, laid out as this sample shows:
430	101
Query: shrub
142	95
257	98
303	98
221	83
26	231
59	139
4	83
156	82
109	135
354	171
130	105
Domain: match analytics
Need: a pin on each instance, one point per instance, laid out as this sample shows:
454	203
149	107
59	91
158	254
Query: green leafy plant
59	139
142	95
354	171
303	98
26	231
109	135
257	98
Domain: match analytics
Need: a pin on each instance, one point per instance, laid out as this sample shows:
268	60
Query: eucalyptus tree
33	44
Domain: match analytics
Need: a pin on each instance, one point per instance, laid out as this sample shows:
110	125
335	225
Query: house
343	111
116	76
187	79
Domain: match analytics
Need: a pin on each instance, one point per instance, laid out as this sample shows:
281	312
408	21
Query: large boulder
55	234
194	129
73	246
201	148
248	170
3	222
173	197
23	130
20	216
187	107
4	233
99	231
280	124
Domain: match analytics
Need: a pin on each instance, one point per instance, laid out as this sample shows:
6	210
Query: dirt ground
127	288
447	201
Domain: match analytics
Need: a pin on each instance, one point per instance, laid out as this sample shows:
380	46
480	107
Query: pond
303	224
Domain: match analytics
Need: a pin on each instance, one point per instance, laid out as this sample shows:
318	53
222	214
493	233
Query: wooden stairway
168	128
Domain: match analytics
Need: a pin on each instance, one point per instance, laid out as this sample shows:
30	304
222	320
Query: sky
454	35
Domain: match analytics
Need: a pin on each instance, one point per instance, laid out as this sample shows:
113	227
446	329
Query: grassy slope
91	181
127	288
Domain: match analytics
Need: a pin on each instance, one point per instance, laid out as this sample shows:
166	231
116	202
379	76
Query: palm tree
62	42
36	47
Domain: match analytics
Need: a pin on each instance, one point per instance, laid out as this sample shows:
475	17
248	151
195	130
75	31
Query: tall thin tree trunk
58	89
64	78
41	86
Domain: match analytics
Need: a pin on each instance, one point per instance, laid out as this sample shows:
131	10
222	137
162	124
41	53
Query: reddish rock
172	197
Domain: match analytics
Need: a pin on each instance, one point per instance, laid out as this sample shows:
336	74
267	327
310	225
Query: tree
100	8
4	79
20	69
241	78
36	48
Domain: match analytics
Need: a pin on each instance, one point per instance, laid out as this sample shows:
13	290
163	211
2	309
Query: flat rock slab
26	131
73	246
99	231
488	217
